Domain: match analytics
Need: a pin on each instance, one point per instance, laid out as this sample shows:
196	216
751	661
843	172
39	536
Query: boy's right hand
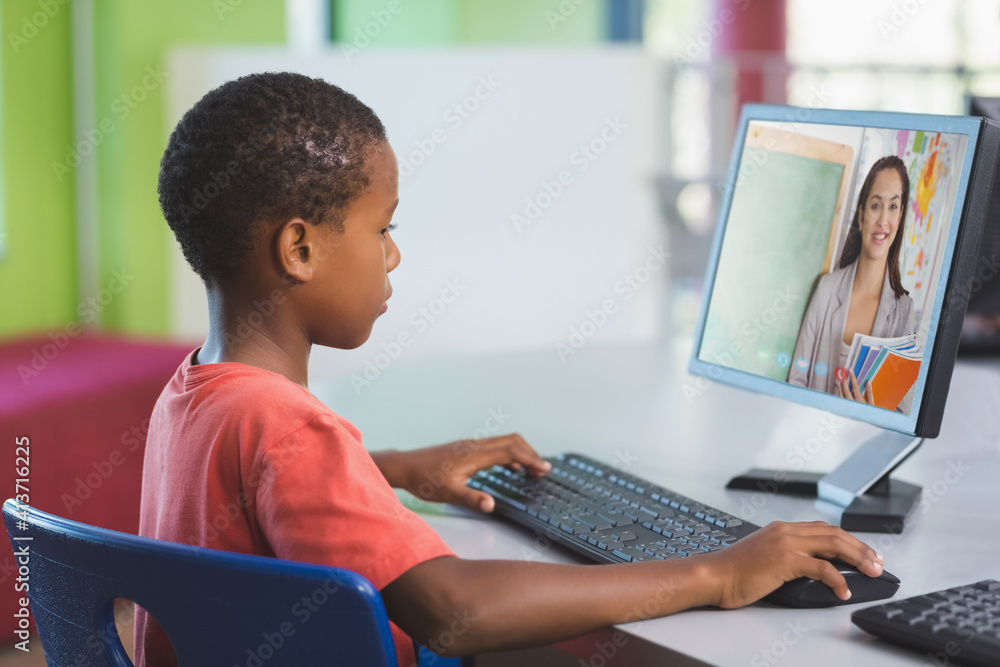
758	564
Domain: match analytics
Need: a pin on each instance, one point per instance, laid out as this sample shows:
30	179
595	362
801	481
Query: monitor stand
871	500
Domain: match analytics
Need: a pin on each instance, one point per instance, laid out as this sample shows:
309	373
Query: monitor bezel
928	391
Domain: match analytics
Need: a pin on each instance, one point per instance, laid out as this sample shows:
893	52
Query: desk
638	406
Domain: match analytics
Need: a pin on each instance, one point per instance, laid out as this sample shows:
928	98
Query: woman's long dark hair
852	248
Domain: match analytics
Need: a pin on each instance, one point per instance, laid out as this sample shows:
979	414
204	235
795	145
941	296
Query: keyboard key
624	536
909	617
573	527
504	496
617	519
664	529
628	553
593	522
651	511
916	604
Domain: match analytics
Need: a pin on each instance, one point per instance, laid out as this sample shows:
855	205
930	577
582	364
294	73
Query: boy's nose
392	256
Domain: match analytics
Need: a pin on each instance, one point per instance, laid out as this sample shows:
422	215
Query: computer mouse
811	593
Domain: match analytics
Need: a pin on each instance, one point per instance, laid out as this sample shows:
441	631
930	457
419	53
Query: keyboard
958	625
608	515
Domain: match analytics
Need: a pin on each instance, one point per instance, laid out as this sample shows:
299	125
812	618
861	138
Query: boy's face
351	283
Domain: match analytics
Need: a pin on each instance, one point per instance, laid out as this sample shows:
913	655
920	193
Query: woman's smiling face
882	213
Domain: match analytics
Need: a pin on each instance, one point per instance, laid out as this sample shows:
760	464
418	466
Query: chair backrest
218	608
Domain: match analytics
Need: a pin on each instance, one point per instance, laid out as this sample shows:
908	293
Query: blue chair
217	607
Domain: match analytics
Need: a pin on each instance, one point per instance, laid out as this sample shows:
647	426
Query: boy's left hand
440	473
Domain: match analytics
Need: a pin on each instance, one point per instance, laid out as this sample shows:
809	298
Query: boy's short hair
261	149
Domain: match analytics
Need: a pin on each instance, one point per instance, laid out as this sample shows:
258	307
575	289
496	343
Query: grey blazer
823	325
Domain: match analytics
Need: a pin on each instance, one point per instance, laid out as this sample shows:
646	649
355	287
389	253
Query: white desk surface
628	403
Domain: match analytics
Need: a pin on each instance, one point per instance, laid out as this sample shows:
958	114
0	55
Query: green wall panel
38	260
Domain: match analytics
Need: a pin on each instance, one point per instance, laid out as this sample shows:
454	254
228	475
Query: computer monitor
981	327
846	247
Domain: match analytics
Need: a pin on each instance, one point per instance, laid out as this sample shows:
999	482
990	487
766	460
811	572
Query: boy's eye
387	229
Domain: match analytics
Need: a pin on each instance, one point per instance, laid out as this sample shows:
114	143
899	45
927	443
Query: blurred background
88	100
555	155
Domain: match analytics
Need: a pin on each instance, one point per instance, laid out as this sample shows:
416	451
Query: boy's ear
295	250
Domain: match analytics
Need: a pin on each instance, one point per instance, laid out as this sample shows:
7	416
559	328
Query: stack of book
889	365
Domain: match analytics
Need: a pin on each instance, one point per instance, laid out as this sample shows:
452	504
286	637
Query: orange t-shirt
242	459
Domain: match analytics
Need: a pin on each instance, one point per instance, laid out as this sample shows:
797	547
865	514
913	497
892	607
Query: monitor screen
834	250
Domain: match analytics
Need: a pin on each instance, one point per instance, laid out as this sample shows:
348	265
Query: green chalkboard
775	243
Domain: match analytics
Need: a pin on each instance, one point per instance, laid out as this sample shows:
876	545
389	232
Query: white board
503	123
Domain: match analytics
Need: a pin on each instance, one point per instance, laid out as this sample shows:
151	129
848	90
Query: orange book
894	379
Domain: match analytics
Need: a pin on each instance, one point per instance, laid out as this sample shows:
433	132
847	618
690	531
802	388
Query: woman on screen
864	295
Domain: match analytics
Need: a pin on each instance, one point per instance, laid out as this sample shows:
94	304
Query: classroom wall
539	258
38	256
463	21
39	285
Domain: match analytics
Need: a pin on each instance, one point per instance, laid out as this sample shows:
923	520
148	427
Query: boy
280	189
